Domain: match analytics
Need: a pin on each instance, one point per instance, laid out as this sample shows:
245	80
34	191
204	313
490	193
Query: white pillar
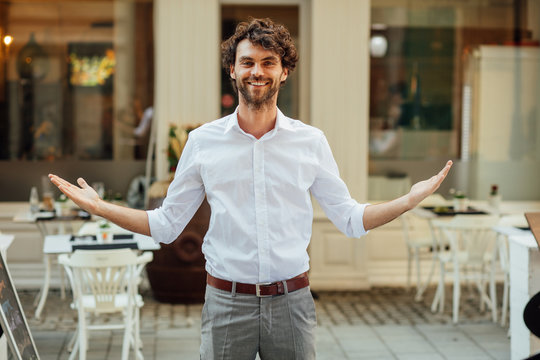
187	58
340	31
340	84
124	82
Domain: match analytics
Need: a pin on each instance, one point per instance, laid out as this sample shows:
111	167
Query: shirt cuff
357	221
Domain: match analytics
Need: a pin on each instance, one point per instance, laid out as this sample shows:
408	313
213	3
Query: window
416	87
76	79
458	80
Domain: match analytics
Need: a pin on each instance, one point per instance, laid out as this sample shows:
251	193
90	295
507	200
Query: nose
256	70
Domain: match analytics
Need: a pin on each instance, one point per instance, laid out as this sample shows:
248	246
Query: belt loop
285	287
233	290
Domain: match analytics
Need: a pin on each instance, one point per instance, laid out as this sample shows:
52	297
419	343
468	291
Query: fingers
444	171
82	183
439	178
58	181
65	186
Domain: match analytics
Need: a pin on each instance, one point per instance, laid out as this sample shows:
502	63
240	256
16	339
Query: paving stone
381	323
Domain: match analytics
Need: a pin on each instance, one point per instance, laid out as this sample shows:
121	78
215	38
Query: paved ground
383	323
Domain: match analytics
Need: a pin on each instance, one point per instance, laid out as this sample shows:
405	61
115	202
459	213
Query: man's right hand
84	196
88	199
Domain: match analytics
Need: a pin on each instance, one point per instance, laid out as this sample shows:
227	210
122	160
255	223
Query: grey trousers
238	326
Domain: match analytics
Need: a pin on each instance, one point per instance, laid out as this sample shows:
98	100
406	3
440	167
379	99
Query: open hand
84	196
423	189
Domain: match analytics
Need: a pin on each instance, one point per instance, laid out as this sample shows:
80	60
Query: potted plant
104	233
494	198
460	201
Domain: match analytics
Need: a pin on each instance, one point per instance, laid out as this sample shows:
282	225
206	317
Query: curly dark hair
266	33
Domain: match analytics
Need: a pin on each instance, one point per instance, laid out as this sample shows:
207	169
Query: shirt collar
282	122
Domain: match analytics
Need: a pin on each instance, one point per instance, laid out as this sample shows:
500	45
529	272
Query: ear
284	74
231	72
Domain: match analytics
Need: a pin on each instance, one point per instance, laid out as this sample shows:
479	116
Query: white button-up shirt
259	194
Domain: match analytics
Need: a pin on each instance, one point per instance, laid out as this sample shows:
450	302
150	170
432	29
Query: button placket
261	210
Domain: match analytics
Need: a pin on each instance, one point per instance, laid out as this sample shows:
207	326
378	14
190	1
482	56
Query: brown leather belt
262	289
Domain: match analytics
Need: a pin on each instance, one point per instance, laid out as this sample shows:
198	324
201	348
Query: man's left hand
423	189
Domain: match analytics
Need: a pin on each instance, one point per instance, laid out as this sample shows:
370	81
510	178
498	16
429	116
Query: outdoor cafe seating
105	282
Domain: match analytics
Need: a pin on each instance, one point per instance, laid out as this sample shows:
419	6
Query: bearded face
258	92
258	75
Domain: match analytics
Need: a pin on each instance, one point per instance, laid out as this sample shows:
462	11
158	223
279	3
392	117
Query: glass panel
231	15
416	87
459	80
411	94
75	79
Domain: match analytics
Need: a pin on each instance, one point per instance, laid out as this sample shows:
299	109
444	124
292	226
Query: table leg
45	289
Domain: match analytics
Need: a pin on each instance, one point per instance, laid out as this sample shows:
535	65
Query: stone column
340	84
340	34
187	62
124	82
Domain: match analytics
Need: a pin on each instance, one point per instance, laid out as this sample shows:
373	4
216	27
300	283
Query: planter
461	204
177	274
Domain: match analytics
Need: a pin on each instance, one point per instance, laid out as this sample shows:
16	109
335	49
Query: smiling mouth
258	83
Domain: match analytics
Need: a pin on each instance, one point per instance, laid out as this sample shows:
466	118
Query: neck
257	122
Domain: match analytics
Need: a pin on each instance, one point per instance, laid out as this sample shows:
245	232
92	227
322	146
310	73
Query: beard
260	99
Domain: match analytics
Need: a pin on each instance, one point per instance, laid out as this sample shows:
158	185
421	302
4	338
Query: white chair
421	242
471	241
105	282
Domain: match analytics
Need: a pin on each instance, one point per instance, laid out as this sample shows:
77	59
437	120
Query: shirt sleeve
333	195
184	196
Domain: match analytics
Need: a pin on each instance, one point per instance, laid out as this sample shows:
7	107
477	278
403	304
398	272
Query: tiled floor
383	323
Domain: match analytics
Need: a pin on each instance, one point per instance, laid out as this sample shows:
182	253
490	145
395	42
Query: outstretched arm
87	198
380	214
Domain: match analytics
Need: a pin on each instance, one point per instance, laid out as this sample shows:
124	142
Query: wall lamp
378	45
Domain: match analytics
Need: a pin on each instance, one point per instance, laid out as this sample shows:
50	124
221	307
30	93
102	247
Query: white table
524	283
61	244
64	224
506	208
55	245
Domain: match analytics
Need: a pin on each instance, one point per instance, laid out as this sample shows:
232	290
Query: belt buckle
258	289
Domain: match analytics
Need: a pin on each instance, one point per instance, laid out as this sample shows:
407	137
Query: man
257	169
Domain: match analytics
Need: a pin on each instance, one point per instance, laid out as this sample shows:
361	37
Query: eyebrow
271	57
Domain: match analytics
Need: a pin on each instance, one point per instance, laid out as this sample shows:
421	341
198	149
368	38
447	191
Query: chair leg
83	344
73	340
504	312
456	295
438	299
409	268
481	284
75	347
493	296
417	263
82	339
420	291
62	283
138	342
128	333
